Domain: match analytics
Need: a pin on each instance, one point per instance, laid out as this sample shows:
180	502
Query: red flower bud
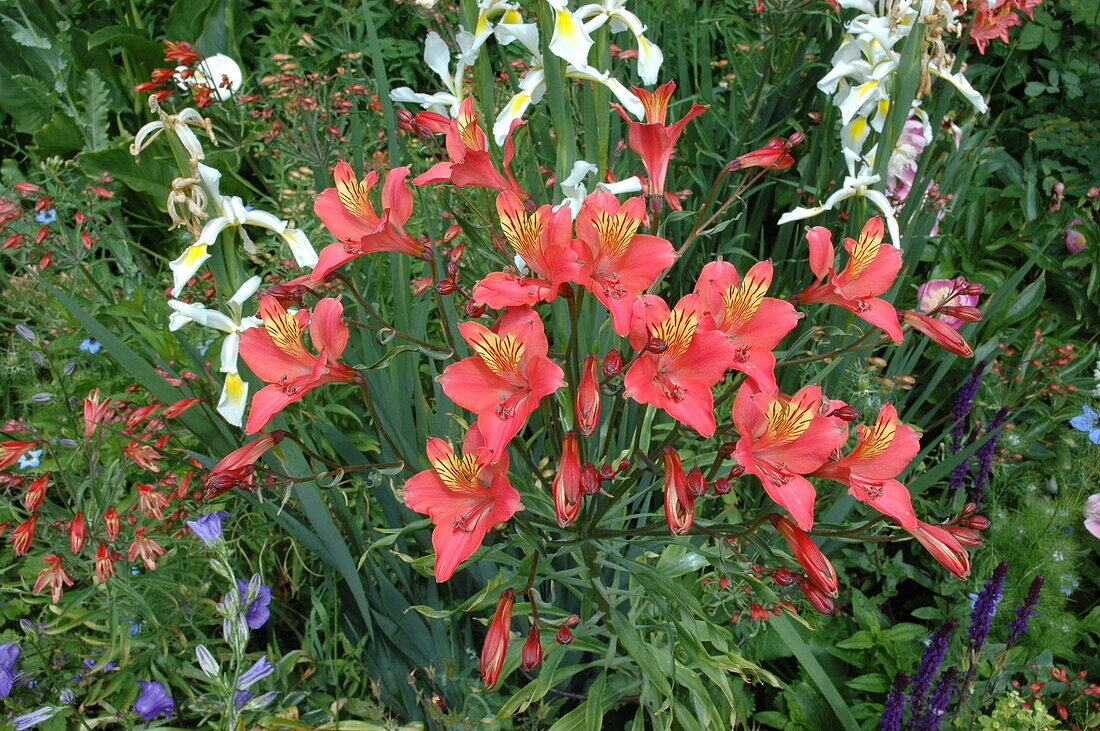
564	636
783	576
112	523
656	346
696	483
76	532
942	335
722	486
758	612
590	479
104	563
607	472
965	536
727	449
587	403
818	568
817	598
612	363
567	482
36	492
572	620
944	547
23	534
845	413
736	471
969	509
966	313
496	639
531	655
445	286
977	522
472	309
679	503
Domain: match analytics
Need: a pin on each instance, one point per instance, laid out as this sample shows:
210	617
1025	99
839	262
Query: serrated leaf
28	101
26	35
94	118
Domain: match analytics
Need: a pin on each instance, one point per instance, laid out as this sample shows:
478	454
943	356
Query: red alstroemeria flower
349	215
871	269
470	164
508	375
882	452
53	576
679	378
939	331
235	469
146	549
541	240
652	140
10	452
276	354
464	496
944	547
753	323
617	263
23	535
104	562
775	155
782	439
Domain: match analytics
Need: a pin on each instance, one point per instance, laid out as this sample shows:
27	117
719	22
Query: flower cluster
208	79
991	20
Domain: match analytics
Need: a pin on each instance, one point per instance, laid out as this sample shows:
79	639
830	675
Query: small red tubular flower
506	377
775	155
818	569
23	534
496	639
586	406
144	455
591	479
531	655
696	483
965	536
567	482
941	333
652	140
944	547
179	407
104	562
36	492
181	53
235	469
76	532
53	576
276	354
150	502
871	270
10	452
679	503
145	548
349	215
680	377
758	612
818	599
112	523
95	411
465	496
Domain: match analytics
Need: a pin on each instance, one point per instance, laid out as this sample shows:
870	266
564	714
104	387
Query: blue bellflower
153	701
32	719
256	612
9	655
208	528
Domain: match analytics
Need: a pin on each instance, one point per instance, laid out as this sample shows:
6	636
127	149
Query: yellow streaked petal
501	355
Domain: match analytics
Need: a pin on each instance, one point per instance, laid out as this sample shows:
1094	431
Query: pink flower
902	170
1092	514
937	292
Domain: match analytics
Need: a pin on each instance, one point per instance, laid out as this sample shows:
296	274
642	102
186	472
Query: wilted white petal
626	97
800	213
245	291
206	317
437	55
650	59
145	135
883	204
959	82
633	184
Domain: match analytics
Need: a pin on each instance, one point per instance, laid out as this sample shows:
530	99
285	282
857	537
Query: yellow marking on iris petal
511	17
284	331
615	232
787	421
524	233
353	195
677	332
743	302
235	388
501	355
458	474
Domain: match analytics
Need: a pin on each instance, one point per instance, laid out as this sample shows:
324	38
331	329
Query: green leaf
812	667
26	35
153	175
59	136
28	101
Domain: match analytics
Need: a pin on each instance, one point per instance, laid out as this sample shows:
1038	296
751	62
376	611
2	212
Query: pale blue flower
32	719
1088	421
46	216
90	346
30	459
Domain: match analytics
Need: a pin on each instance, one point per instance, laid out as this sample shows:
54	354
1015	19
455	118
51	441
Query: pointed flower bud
112	523
944	547
36	491
104	562
722	486
496	639
587	404
76	532
818	568
679	503
22	536
817	598
965	536
942	334
564	636
845	413
531	656
567	482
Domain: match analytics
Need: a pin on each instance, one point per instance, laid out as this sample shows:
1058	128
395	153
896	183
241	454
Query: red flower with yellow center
465	496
